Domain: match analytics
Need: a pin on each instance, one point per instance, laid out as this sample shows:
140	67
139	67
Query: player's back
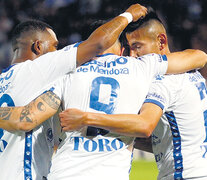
109	84
180	136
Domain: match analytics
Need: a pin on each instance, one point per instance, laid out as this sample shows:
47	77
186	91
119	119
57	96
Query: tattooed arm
25	118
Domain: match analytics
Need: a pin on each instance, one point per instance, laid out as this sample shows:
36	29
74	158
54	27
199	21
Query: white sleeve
58	87
155	64
55	64
161	93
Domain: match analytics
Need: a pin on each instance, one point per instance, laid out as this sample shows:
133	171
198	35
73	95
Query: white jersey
26	156
179	139
108	84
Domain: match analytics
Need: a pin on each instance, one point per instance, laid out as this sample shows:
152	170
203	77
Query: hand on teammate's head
137	11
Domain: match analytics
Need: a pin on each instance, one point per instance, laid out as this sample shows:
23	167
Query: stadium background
185	20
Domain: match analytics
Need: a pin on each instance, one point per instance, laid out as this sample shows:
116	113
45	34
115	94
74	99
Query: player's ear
162	40
37	47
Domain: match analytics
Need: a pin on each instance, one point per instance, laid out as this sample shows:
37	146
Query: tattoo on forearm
51	99
41	107
5	113
25	114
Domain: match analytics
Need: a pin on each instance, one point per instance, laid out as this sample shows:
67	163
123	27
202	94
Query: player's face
49	42
141	43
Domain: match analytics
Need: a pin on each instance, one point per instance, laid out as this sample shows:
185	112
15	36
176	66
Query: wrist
128	16
86	119
89	119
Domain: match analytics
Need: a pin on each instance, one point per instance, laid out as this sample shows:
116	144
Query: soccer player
27	155
174	112
110	84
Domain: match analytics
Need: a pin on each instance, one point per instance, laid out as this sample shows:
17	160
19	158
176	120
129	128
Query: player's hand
137	11
71	119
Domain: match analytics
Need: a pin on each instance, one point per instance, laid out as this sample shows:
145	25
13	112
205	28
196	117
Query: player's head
116	48
33	38
147	35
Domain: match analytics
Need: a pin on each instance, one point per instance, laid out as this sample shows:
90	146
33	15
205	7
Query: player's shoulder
154	56
194	76
149	58
71	46
110	59
178	81
168	81
10	70
188	77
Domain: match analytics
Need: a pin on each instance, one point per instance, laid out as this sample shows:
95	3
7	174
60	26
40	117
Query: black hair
151	15
26	26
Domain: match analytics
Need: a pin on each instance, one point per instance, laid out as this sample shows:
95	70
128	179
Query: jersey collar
107	54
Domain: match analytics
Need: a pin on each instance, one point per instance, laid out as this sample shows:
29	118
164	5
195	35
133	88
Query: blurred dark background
185	20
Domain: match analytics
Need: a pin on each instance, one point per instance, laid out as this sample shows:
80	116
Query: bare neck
166	50
114	50
21	56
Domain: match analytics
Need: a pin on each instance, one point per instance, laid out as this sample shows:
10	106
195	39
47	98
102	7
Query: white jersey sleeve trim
155	102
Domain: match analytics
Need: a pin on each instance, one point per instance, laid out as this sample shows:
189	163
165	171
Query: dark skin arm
106	35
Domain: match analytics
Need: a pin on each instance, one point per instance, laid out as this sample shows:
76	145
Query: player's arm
134	125
25	118
186	60
107	34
